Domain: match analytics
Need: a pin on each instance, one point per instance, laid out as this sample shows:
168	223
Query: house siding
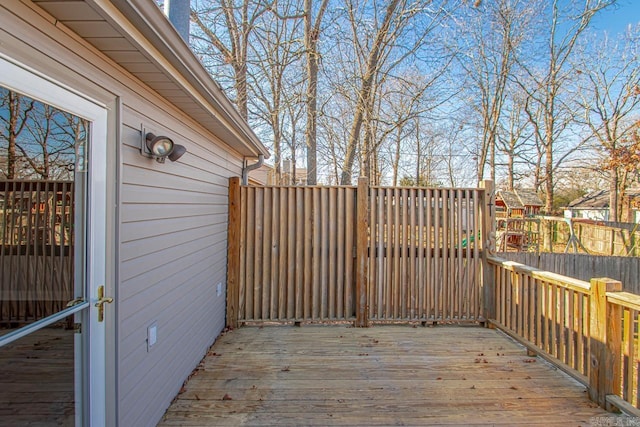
172	217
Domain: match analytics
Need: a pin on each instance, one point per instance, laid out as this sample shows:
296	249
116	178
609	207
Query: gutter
149	20
249	168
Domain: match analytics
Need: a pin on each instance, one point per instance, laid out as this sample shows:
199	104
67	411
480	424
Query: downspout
249	168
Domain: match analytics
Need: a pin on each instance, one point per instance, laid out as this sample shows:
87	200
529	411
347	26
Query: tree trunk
241	89
548	176
311	35
614	214
14	107
364	95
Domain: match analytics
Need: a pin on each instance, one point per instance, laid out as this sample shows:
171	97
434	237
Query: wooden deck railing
36	249
588	329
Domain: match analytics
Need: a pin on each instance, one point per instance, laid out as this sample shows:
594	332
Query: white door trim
25	80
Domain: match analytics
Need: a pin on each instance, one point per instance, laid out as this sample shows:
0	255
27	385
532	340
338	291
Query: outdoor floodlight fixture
160	147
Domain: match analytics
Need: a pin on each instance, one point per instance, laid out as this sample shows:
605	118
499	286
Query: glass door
52	222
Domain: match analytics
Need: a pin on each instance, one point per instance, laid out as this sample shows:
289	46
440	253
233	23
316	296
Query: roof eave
148	19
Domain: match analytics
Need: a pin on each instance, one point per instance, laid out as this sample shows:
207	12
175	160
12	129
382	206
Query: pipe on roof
179	12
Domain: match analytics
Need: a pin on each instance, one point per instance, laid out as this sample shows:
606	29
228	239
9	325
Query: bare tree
311	36
227	27
382	40
20	109
492	33
547	78
513	137
610	97
38	141
275	55
380	55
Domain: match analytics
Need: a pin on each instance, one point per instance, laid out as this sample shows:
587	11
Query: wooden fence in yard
355	253
36	249
588	329
597	237
583	266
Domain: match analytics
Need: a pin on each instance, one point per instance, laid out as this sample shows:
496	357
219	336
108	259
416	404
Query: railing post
362	253
487	212
605	335
233	252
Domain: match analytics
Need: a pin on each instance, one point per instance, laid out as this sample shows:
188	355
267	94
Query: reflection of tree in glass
14	113
38	141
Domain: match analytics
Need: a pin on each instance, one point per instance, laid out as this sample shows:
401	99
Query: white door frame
30	82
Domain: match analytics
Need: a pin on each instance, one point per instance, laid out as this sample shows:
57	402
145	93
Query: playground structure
518	234
567	235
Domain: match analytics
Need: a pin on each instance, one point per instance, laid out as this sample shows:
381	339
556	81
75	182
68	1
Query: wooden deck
37	380
384	375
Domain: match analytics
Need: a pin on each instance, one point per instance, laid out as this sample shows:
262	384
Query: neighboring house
266	175
291	177
156	232
595	206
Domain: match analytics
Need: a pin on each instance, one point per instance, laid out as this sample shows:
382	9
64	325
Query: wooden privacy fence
36	254
583	266
597	237
588	329
355	253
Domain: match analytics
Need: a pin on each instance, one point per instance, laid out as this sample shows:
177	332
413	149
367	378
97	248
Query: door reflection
37	381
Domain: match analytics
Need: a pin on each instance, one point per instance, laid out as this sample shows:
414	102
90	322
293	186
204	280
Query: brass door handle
102	300
75	301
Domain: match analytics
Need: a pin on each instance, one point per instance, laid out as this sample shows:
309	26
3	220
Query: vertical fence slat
439	281
604	324
300	253
317	245
420	255
281	255
233	253
350	230
412	257
275	251
382	251
266	253
291	263
244	252
362	246
324	252
340	255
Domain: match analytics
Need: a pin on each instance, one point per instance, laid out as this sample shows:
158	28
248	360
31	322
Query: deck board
384	375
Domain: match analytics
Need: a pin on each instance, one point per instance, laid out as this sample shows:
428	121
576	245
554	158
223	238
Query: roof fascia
145	25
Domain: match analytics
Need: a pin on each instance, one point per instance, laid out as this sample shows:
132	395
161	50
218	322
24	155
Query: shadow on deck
384	375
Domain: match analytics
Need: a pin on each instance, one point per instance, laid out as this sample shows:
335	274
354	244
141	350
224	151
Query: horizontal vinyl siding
171	262
173	217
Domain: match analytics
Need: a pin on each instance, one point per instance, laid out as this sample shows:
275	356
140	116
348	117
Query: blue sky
616	19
